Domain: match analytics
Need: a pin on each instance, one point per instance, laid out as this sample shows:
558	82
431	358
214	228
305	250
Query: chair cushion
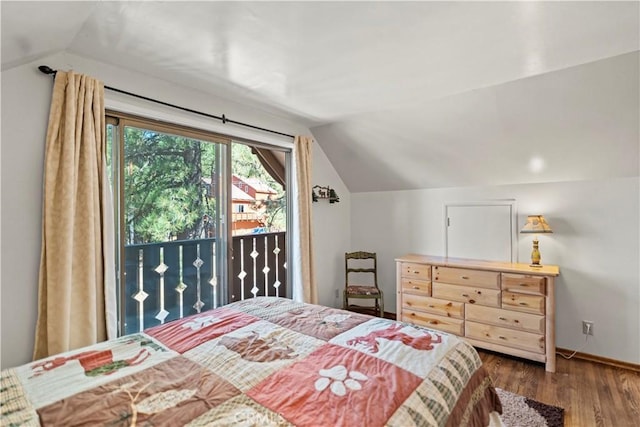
362	290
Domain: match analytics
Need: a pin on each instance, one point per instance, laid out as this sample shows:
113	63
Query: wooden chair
362	262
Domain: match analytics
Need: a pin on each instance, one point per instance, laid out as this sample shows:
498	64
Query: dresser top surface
507	267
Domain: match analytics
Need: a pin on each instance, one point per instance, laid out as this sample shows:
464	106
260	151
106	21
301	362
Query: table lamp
536	224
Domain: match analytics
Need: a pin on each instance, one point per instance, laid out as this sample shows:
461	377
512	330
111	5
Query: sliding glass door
201	220
172	204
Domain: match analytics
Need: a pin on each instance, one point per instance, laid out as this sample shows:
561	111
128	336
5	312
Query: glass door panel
173	235
258	223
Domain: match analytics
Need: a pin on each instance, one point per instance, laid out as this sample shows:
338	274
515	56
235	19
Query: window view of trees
165	198
169	188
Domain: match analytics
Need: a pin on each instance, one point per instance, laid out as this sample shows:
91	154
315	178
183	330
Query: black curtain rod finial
46	69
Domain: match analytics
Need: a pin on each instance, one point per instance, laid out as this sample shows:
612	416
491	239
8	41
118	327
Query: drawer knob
416	272
465	295
524	284
472	301
523	303
433	322
502	318
416	287
502	338
431	306
464	277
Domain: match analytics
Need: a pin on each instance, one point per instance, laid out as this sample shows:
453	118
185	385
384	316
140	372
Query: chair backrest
360	255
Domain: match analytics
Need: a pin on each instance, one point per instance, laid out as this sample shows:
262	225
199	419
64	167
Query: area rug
520	411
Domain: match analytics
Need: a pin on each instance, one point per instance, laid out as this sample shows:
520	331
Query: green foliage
246	164
164	186
164	195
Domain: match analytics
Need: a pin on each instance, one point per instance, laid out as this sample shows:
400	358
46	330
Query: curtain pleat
304	284
77	277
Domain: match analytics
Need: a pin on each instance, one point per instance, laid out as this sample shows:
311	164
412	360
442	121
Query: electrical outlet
587	327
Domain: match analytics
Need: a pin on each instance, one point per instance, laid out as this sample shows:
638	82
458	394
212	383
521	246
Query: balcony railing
244	216
170	280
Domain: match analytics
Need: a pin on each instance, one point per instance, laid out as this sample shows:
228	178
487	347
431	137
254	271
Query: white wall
26	96
331	234
595	242
25	109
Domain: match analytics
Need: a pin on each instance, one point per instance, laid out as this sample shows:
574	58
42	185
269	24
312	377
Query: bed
261	362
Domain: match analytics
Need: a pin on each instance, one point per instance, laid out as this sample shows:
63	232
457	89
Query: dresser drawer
510	319
468	294
523	283
433	321
505	336
434	305
463	276
416	286
523	302
416	271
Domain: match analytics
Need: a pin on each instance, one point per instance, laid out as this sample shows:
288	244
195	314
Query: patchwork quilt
260	362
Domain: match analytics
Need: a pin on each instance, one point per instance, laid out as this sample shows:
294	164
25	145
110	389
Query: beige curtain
76	304
305	288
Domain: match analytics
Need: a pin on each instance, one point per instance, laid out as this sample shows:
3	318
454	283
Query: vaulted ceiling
399	95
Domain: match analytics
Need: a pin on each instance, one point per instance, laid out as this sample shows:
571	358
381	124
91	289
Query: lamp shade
536	224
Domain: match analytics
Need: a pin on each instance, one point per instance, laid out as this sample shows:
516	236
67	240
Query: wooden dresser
500	306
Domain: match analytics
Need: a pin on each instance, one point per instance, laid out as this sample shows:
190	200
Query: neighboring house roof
257	185
260	186
237	195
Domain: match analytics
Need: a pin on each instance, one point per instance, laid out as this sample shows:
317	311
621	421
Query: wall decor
328	193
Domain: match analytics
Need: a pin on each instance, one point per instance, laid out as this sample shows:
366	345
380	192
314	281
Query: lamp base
535	265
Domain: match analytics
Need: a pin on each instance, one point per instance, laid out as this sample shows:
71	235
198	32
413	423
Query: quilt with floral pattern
261	362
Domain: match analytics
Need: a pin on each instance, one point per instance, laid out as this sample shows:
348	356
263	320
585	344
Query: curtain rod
48	70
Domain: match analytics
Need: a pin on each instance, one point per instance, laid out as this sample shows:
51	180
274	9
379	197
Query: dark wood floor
592	394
